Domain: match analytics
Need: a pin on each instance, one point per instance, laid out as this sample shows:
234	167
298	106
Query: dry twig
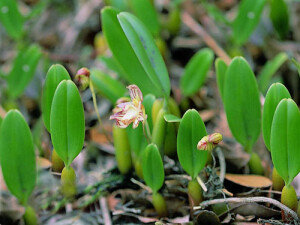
197	28
249	200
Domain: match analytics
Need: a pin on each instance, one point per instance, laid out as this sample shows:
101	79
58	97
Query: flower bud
209	142
83	77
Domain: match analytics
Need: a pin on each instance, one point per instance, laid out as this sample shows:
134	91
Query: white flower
127	112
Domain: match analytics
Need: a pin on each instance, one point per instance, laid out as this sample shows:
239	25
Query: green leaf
146	51
269	70
145	11
285	140
148	103
297	64
17	156
191	130
275	94
242	104
107	86
67	122
112	64
196	71
11	18
279	15
170	118
246	20
121	5
137	141
55	75
221	68
153	168
23	70
145	68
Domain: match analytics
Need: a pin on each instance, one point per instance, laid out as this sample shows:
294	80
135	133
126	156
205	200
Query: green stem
97	112
146	131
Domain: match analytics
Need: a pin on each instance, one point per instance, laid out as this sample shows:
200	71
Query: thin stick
197	28
143	186
249	200
222	164
105	211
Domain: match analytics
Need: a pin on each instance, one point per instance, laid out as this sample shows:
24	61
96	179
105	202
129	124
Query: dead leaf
252	181
43	163
180	220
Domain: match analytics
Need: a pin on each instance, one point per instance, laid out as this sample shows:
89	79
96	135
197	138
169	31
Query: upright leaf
297	64
17	156
146	51
67	121
145	11
279	15
148	103
153	168
246	20
285	140
264	77
140	68
275	94
221	68
11	18
55	75
191	130
196	71
107	86
241	101
23	70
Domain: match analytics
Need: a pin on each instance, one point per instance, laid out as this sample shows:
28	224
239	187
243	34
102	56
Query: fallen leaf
252	181
43	163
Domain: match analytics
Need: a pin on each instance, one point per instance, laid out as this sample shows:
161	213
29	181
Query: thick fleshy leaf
11	18
121	5
17	156
137	141
241	101
221	68
279	15
297	64
145	11
107	86
112	64
23	70
246	20
153	168
67	121
285	140
264	78
55	75
275	94
147	52
191	130
170	118
196	71
136	52
148	103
